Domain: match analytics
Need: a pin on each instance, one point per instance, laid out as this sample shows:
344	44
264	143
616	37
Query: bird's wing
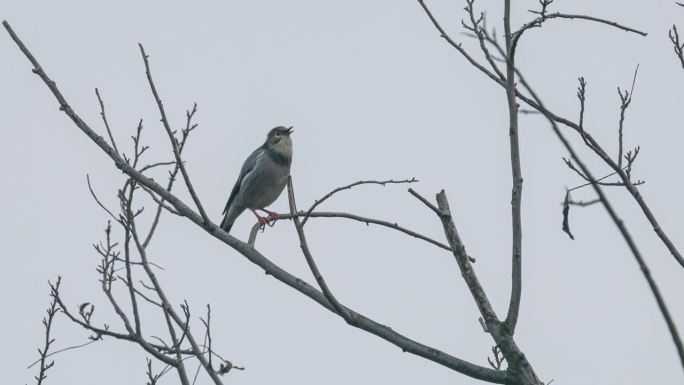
247	167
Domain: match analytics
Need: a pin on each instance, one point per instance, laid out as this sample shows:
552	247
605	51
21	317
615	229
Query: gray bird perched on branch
262	178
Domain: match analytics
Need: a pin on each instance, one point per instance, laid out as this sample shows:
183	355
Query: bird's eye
277	134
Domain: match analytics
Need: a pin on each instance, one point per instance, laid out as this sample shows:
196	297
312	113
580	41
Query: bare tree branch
516	171
458	47
47	324
104	119
478	31
327	214
543	16
348	187
339	309
678	45
519	367
625	100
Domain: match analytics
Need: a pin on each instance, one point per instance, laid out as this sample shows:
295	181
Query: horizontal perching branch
354	217
361	322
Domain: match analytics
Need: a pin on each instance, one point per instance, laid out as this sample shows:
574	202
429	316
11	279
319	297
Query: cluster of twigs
118	263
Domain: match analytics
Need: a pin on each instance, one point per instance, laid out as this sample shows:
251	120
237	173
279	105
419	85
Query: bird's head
279	140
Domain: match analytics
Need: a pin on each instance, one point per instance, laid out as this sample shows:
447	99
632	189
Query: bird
262	178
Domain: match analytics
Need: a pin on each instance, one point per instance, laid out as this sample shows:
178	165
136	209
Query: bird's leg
272	215
262	220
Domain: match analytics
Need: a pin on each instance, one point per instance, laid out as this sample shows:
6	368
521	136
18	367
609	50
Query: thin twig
63	350
477	30
348	187
426	202
458	46
104	119
678	46
47	324
172	176
625	100
99	203
543	16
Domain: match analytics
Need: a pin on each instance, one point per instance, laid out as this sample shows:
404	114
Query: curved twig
348	187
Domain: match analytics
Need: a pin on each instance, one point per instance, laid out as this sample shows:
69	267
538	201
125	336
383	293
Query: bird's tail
229	219
227	223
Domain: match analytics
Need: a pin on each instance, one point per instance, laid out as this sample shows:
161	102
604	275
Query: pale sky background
373	93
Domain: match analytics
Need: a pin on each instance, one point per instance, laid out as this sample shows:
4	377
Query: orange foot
272	215
262	220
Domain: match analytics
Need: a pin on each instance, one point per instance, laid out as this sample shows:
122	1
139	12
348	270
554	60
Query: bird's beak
289	130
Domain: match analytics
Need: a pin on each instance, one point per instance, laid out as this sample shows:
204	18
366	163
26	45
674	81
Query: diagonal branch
479	33
104	119
458	250
518	366
458	46
339	309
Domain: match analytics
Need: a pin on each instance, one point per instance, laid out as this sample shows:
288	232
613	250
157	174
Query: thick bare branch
519	368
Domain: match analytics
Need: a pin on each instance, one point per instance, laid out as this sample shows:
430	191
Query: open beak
289	130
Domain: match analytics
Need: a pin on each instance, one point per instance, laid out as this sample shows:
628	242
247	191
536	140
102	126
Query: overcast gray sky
373	93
